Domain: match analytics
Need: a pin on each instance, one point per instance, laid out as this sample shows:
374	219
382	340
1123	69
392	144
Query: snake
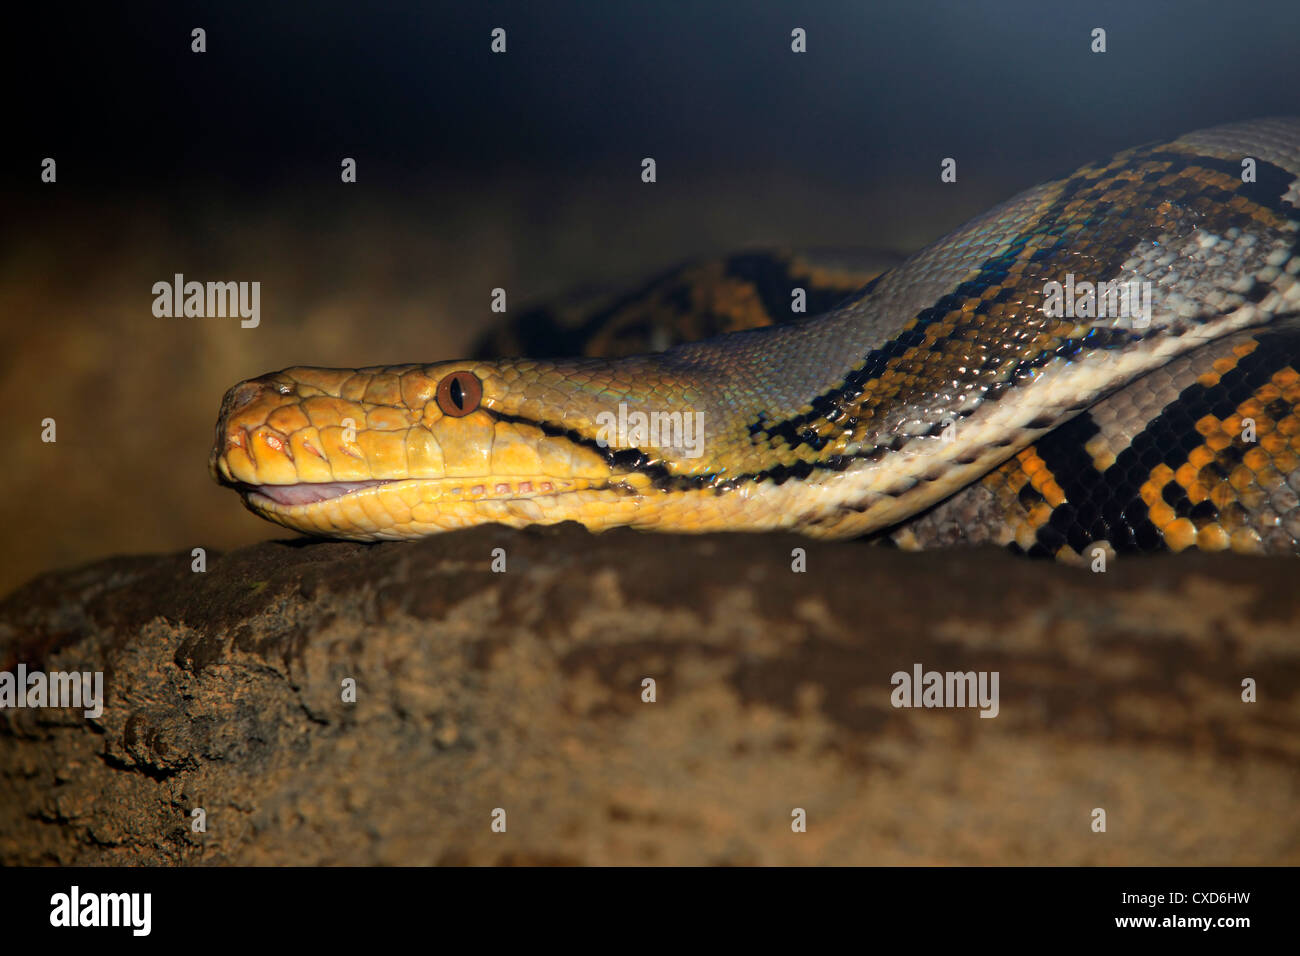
1110	360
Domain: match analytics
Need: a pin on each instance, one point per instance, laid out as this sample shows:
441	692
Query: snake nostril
245	393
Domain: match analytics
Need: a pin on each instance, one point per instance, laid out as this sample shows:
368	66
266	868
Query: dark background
479	170
588	87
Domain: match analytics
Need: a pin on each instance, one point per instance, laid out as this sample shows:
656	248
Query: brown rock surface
522	690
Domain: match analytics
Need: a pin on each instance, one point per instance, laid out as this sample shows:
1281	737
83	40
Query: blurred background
477	170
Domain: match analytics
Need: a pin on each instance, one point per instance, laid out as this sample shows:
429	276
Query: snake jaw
303	495
395	509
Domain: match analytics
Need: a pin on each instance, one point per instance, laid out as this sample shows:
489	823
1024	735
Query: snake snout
229	428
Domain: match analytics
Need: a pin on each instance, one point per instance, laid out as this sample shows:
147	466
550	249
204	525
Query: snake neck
1023	295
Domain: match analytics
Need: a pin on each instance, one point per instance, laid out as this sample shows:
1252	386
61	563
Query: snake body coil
1092	363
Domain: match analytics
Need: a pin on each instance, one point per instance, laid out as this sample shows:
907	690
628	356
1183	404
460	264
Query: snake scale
961	397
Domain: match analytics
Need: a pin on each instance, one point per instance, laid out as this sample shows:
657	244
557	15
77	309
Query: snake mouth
306	494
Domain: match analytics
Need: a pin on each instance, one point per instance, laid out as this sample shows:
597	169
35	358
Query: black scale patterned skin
1186	476
1090	506
1107	505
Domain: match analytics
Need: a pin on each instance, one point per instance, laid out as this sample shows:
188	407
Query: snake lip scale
932	380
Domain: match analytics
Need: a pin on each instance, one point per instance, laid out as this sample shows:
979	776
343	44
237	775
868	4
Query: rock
479	692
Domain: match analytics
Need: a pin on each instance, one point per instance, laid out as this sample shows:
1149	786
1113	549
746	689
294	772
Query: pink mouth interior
307	494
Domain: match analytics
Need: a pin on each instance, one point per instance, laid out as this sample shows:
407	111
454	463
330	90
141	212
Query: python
1069	433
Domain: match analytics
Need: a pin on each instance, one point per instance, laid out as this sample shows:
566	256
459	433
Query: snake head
405	451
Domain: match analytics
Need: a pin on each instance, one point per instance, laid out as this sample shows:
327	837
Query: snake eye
459	394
